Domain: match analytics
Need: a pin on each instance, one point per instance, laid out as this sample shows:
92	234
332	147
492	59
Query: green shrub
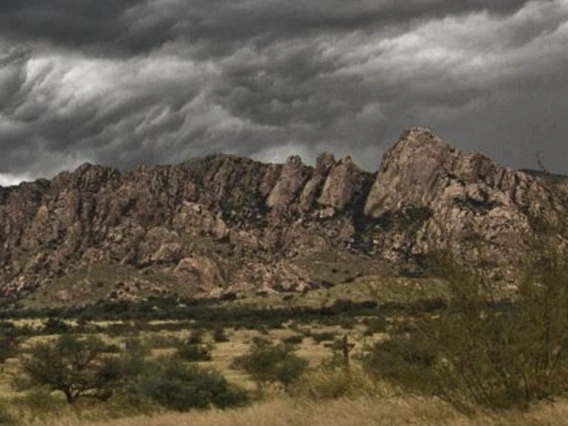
332	382
5	417
196	337
10	338
182	387
406	361
6	351
323	336
219	335
268	363
194	352
296	339
78	367
376	324
55	326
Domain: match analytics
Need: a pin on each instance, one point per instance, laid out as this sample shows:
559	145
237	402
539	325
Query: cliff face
222	222
466	197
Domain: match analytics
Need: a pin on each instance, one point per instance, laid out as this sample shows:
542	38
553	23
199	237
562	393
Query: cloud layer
124	82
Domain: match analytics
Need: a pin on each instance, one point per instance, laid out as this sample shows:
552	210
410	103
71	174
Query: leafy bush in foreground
182	387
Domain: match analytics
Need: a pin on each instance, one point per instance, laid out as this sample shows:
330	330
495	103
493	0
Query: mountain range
224	224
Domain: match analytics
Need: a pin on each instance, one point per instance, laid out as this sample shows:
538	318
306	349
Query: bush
268	363
5	417
196	337
219	335
376	324
478	351
78	367
194	352
296	339
323	336
332	382
181	387
6	350
10	338
55	326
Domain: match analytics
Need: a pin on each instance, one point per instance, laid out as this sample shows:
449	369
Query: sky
130	82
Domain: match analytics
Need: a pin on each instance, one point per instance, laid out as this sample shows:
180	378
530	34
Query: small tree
268	363
77	367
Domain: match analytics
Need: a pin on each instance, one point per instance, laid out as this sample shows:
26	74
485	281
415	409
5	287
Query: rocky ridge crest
223	223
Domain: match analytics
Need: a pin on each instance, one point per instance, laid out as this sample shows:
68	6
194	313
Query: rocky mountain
227	224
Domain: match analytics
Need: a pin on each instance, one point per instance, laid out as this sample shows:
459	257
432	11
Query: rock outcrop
462	197
226	222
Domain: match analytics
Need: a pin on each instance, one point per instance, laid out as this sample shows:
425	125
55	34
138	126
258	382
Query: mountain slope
222	223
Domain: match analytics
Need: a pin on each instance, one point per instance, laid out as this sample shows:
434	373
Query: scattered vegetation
462	342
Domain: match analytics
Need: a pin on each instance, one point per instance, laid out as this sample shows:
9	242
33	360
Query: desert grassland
392	411
28	411
163	336
223	353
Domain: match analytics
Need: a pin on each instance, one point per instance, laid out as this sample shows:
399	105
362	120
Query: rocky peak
421	165
293	161
460	197
293	176
324	162
206	219
341	184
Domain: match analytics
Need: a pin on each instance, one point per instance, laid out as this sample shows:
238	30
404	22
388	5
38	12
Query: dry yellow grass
361	412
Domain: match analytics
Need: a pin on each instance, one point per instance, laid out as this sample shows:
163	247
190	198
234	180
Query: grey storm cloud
138	26
125	82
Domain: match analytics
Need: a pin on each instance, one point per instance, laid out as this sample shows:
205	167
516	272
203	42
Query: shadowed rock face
426	194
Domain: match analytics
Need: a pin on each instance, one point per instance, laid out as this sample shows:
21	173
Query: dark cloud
124	82
137	26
